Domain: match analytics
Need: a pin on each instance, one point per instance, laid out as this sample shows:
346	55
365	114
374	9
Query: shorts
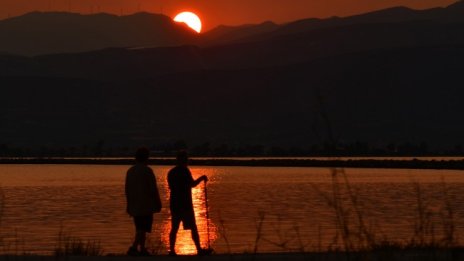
186	217
143	223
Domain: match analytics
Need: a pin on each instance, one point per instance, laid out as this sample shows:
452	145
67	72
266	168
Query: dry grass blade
223	232
259	229
68	245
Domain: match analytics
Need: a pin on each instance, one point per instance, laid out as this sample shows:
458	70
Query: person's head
182	158
142	155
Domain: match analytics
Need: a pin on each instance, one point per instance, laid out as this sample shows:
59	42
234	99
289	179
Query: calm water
88	202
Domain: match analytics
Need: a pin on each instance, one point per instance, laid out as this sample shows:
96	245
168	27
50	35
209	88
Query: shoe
172	253
205	252
133	251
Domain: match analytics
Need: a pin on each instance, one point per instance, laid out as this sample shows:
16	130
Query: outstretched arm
154	191
199	180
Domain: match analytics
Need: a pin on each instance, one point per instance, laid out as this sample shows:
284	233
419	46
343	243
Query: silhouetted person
181	182
142	200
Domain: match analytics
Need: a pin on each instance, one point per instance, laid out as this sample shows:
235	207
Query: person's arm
199	180
155	193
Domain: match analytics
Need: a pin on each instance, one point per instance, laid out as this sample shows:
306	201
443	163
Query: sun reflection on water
184	242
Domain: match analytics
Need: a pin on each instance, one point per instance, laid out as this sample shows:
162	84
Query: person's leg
143	224
133	249
175	222
196	237
140	239
147	225
136	241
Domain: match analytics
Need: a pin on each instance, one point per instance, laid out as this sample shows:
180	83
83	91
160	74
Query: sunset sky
216	12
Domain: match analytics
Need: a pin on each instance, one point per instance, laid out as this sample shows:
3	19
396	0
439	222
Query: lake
289	209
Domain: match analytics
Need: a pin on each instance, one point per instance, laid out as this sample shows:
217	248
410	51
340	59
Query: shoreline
329	163
384	254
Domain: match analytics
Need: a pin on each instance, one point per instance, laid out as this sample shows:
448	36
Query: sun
190	19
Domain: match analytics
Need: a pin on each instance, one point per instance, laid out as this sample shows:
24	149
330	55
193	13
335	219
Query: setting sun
190	19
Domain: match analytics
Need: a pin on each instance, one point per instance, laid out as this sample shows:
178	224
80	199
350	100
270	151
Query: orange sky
215	12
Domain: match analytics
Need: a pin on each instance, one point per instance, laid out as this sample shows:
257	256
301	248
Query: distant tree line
207	149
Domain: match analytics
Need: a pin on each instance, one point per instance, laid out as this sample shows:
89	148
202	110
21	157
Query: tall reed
450	238
425	232
287	239
354	234
223	232
259	229
351	230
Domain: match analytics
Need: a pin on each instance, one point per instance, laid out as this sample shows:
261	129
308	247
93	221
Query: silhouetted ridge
395	14
459	5
60	32
379	96
394	81
451	13
398	13
230	34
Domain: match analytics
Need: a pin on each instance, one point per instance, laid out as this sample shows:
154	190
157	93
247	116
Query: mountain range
387	77
40	33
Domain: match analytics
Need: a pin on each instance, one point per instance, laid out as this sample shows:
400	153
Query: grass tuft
68	245
352	233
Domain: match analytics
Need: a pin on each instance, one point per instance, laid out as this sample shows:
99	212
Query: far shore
391	255
400	163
